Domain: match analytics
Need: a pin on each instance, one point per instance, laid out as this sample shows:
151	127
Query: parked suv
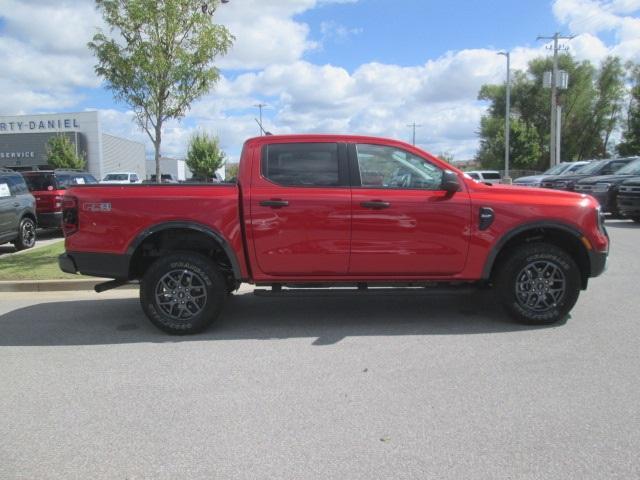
121	177
48	187
629	199
600	167
564	168
485	176
17	211
605	187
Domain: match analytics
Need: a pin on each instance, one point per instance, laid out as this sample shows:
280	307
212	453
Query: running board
365	292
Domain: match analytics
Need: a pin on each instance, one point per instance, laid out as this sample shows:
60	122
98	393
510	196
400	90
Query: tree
231	171
630	144
158	58
204	156
61	153
590	113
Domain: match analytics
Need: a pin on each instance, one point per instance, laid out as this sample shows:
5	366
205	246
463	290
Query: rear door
301	209
403	223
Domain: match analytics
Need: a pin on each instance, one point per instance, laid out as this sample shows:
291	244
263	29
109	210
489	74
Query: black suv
600	167
605	187
629	199
17	211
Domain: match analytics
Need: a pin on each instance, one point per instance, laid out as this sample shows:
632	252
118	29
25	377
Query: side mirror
450	182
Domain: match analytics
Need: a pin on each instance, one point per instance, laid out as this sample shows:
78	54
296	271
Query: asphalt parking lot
315	388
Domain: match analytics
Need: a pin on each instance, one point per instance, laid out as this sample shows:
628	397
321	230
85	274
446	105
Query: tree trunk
156	146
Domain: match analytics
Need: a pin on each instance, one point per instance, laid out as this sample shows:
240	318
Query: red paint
324	234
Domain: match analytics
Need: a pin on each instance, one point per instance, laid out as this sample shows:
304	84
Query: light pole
507	129
414	126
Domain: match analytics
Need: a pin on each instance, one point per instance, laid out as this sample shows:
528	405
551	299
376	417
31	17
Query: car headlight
601	187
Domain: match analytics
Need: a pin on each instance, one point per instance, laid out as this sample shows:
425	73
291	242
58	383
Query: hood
566	178
530	179
531	192
605	179
632	181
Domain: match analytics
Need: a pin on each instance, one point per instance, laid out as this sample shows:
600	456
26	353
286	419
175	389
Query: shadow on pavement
326	319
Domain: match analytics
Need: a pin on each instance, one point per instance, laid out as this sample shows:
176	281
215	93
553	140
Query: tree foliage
204	156
630	144
61	153
591	108
157	57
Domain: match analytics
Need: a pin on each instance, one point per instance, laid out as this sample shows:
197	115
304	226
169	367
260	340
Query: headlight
601	187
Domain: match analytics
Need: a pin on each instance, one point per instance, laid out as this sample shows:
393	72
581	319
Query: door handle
375	204
275	203
16	205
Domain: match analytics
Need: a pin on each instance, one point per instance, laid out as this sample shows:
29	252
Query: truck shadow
325	319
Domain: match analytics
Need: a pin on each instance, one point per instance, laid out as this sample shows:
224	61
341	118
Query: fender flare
215	236
502	241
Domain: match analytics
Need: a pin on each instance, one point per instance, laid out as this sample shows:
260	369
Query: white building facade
24	138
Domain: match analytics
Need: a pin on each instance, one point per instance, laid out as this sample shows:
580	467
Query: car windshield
116	176
556	169
632	169
38	182
592	167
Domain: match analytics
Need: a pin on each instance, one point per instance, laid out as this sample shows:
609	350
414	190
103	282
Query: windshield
592	167
38	182
556	169
632	169
117	176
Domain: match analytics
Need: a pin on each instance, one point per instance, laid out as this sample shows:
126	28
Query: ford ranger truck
333	210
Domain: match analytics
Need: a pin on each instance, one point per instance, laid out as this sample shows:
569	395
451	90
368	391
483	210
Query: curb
54	285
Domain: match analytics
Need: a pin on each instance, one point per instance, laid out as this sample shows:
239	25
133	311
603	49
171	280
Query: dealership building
24	138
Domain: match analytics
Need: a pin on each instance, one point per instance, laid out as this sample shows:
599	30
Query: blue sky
350	66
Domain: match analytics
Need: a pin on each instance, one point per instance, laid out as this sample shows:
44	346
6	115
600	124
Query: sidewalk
82	283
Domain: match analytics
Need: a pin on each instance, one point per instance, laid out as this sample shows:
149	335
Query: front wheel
26	234
538	283
183	293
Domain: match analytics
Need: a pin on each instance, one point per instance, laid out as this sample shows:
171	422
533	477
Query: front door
404	224
301	210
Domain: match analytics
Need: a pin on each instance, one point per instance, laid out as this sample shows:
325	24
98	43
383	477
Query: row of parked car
615	183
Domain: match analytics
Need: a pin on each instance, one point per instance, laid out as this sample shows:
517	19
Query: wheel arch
564	236
196	233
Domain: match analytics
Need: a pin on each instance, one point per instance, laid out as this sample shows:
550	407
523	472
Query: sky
324	66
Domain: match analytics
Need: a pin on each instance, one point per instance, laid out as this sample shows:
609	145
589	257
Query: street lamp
507	130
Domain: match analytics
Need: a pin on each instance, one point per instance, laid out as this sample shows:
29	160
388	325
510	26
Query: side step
366	292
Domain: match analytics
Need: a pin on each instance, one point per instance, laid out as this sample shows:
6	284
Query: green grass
37	264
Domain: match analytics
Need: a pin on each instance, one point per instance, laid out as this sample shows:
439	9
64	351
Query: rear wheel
183	293
538	283
26	234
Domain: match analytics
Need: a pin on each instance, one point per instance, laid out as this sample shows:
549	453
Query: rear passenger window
17	185
302	164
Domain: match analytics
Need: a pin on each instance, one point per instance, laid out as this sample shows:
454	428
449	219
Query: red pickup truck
334	210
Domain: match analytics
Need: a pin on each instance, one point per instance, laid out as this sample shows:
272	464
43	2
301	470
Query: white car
485	176
121	177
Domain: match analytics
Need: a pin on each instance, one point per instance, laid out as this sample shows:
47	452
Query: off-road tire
517	282
26	234
194	302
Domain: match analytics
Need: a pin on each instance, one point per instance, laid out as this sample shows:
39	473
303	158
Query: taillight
57	202
69	215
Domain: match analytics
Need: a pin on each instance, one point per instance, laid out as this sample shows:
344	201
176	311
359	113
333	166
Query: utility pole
554	147
261	106
507	114
414	126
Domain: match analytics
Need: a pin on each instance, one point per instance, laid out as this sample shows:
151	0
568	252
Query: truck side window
302	164
390	167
